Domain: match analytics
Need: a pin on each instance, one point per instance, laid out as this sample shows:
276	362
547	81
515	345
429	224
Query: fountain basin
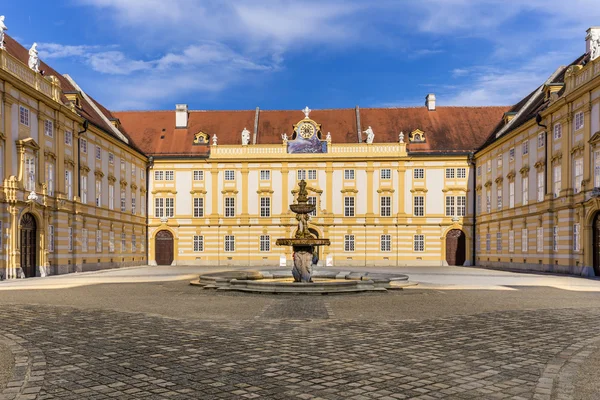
303	242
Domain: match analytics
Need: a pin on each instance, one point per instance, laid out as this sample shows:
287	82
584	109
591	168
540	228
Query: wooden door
163	248
456	247
28	245
596	251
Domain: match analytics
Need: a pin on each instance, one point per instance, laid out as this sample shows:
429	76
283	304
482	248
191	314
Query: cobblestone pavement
293	348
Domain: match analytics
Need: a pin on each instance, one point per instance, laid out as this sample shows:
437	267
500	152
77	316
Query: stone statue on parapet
595	45
370	134
284	137
306	112
3	28
34	59
245	137
401	137
328	138
214	140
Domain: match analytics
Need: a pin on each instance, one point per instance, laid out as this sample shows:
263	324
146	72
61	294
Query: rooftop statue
34	59
595	45
370	134
401	137
245	137
214	140
284	137
306	112
3	28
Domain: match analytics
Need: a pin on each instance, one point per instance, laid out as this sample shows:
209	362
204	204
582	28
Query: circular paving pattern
100	354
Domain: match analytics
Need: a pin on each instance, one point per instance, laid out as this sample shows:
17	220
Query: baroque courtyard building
85	188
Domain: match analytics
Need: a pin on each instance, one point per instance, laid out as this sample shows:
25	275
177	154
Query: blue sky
283	54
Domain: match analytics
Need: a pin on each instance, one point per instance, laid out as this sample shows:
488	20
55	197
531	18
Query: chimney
181	116
430	102
592	42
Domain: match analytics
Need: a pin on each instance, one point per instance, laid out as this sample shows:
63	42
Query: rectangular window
230	206
50	178
143	206
123	169
419	206
265	175
349	174
48	128
578	171
312	174
123	242
24	115
556	177
98	192
98	241
526	147
488	201
385	174
348	242
51	238
579	121
478	242
541	140
301	174
419	243
576	245
68	138
265	243
385	244
540	184
557	131
511	154
461	206
84	240
524	240
69	184
499	198
488	242
169	175
133	243
198	243
142	178
198	175
158	175
111	158
386	206
499	164
489	165
111	197
133	204
133	172
198	207
450	206
29	172
511	194
123	201
419	173
159	207
83	145
230	175
98	152
498	241
540	239
111	242
265	206
479	200
449	173
525	189
348	206
461	173
597	168
479	170
84	189
229	243
170	207
555	238
511	241
313	200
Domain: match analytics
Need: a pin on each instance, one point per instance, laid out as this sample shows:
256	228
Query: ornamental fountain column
304	242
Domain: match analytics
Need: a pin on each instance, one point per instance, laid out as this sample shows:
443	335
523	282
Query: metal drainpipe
474	236
149	166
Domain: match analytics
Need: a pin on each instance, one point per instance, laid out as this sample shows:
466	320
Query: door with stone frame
29	244
456	247
163	248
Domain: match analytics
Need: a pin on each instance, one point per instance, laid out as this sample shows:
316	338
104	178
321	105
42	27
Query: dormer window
74	98
417	136
551	90
508	116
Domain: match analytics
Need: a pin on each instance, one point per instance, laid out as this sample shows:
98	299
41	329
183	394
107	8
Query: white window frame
557	131
511	241
124	200
48	128
229	243
419	243
524	190
50	178
556	180
159	207
576	237
461	206
198	207
229	175
265	175
385	206
69	183
265	207
24	116
499	197
385	243
301	174
385	174
29	179
123	242
541	186
419	206
450	206
198	175
264	244
419	173
83	145
579	120
349	244
84	188
525	147
511	194
84	240
229	207
349	204
541	140
68	138
461	173
111	241
524	240
597	168
498	241
158	175
450	173
169	175
539	239
349	174
98	152
111	197
98	193
488	242
133	205
578	174
488	201
99	241
111	158
51	238
313	200
511	154
312	174
169	207
555	238
198	243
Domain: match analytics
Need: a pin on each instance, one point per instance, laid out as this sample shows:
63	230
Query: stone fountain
304	243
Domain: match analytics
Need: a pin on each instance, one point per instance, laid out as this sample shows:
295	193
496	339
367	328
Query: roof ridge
319	109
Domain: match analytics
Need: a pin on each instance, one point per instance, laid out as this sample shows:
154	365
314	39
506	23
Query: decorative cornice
229	191
511	175
349	190
454	189
133	186
99	174
578	148
111	178
540	164
192	192
418	189
499	179
385	190
49	154
478	187
143	190
26	143
557	156
123	183
266	191
168	191
69	161
488	184
524	170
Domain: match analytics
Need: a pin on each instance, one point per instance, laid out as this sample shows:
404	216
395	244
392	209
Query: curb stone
28	372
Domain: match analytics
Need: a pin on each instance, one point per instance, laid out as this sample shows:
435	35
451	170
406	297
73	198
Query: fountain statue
304	242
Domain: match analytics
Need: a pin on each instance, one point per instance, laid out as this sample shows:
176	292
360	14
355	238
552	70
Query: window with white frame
511	194
98	241
576	237
265	175
511	241
555	238
230	206
133	243
111	196
450	173
169	175
84	188
69	183
83	145
124	201
159	207
143	206
525	147
158	175
419	243
498	241
123	168
597	168
511	154
578	172
198	207
385	243
349	206
499	163
50	178
557	131
479	200
385	174
489	165
579	120
349	174
312	174
48	128
419	206
541	140
24	115
98	152
499	197
524	240
385	209
143	241
450	206
461	206
133	204
461	173
525	190
313	200
133	172
29	172
111	158
557	179
68	138
111	242
229	243
419	173
84	240
229	175
198	243
348	242
301	174
98	192
488	201
488	242
51	238
265	243
123	242
540	239
265	206
478	242
540	186
198	175
479	170
169	207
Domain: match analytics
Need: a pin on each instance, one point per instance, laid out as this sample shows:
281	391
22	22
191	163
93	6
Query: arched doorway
596	243
456	247
163	248
29	243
